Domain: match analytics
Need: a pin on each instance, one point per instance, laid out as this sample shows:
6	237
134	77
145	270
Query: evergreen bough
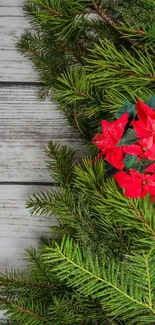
98	266
92	55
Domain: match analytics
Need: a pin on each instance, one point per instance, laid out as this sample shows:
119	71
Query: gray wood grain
18	229
26	125
13	66
12	3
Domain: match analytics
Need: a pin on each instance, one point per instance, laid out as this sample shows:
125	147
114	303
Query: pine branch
134	217
53	11
105	283
143	37
17	283
20	310
36	266
104	15
33	315
60	162
21	315
107	59
145	222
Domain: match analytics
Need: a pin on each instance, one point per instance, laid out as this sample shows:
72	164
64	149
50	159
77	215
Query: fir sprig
104	262
64	34
109	282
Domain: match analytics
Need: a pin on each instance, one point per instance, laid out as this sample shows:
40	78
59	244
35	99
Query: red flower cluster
136	184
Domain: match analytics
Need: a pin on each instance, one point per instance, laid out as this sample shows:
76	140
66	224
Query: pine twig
143	221
53	11
32	314
6	302
103	14
35	285
75	118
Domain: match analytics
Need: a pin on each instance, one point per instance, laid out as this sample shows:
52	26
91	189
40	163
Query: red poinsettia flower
145	127
115	158
107	141
151	168
144	148
136	184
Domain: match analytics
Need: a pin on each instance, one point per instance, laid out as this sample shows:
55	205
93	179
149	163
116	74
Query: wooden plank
13	66
18	229
26	125
12	3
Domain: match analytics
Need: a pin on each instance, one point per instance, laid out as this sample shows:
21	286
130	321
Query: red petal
115	158
140	129
150	179
151	124
134	190
98	140
151	168
146	142
145	190
150	153
143	111
131	185
115	129
152	198
123	179
151	184
152	190
135	174
133	149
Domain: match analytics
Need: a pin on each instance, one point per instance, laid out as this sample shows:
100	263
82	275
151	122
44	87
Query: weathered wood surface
13	66
18	229
26	125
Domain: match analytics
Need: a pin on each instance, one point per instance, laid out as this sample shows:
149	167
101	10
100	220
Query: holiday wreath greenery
128	145
98	266
92	55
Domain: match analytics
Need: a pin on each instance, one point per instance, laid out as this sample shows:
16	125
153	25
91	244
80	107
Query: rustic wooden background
26	125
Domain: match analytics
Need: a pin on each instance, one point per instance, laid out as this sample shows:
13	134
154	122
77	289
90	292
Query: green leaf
143	164
128	138
130	160
127	107
151	102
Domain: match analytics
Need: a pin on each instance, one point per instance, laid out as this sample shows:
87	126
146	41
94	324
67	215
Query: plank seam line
30	183
20	83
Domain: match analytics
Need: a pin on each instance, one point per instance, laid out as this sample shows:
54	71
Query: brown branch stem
75	118
53	11
32	314
143	221
30	284
146	225
103	14
25	311
135	74
58	14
